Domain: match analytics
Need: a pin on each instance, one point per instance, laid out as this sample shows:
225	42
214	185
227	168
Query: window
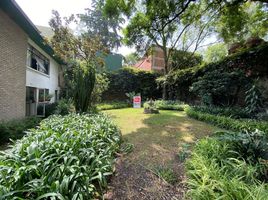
37	61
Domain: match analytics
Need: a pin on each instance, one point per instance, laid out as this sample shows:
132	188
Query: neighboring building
113	61
30	74
153	60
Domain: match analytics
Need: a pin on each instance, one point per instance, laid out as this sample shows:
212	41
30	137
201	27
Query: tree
80	54
96	24
162	23
215	53
238	20
131	59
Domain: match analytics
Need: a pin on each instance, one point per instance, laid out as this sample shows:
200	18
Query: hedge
128	80
228	122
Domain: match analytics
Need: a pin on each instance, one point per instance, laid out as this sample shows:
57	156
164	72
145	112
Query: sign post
137	102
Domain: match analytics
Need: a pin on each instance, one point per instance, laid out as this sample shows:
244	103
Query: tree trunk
164	94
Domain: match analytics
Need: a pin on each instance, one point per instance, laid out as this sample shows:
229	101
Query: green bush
217	171
15	129
167	105
62	107
67	157
233	112
228	122
112	105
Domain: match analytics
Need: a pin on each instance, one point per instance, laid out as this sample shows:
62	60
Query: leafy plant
184	153
84	82
166	174
67	157
15	129
167	105
217	171
249	145
254	100
130	96
228	122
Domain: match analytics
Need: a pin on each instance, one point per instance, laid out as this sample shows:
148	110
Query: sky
39	12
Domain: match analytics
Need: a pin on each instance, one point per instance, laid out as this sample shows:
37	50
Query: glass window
37	61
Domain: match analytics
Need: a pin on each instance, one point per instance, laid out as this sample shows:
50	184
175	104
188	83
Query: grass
157	140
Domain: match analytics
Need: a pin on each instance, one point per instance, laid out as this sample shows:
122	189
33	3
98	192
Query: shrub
228	122
62	107
15	129
130	79
217	171
233	112
112	105
167	105
68	157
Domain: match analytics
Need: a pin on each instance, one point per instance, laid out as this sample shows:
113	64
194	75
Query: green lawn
157	140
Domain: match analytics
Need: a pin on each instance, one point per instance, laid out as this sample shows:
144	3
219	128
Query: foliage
184	152
80	54
254	100
184	59
219	87
215	53
227	122
131	80
112	105
67	157
97	24
239	20
130	96
216	169
84	82
101	85
252	62
61	107
131	59
15	129
232	112
167	105
166	174
249	145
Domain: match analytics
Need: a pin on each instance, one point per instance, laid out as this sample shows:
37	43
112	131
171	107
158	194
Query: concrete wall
13	45
38	79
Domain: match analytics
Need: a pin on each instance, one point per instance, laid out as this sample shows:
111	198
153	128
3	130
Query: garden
201	131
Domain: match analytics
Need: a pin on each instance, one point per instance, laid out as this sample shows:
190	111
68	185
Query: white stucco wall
38	79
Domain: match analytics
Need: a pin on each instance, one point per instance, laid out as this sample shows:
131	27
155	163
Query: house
30	74
153	60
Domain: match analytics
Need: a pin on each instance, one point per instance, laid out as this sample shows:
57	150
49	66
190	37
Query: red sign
137	102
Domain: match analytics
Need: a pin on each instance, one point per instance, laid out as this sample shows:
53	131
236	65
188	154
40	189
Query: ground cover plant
167	105
67	157
112	105
229	166
228	122
15	129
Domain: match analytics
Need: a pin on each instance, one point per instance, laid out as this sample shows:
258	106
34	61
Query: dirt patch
134	181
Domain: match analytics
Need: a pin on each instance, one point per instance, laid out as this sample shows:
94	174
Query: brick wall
13	52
